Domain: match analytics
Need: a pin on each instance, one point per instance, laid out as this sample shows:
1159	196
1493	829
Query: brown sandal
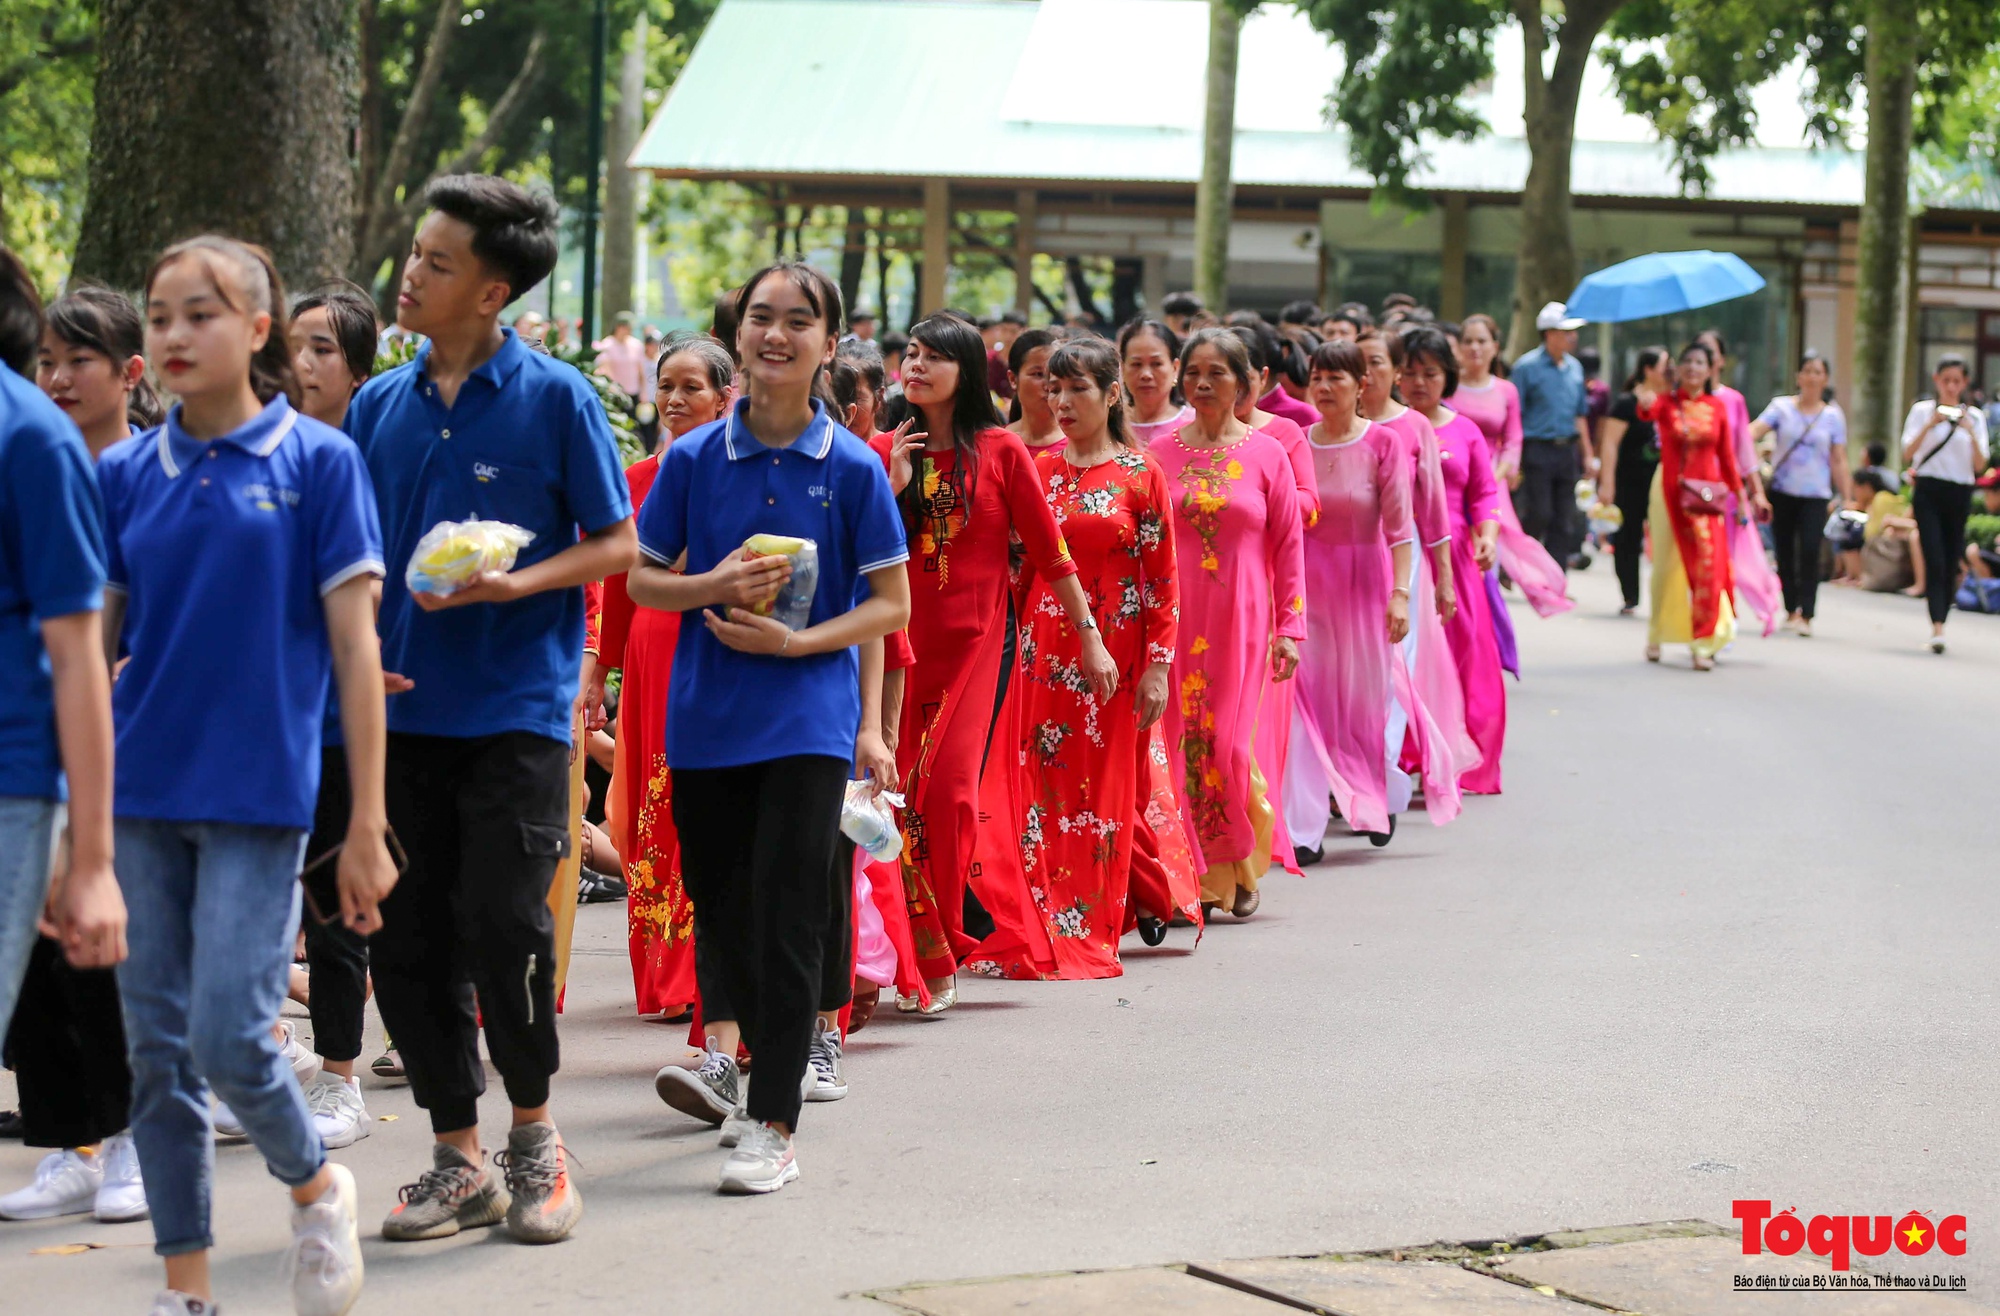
1246	903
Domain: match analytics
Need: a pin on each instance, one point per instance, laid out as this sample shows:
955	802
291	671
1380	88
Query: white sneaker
339	1115
738	1124
762	1163
121	1196
172	1302
226	1123
323	1264
65	1184
825	1080
305	1065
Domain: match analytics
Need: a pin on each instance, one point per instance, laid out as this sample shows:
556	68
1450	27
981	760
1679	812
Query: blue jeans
27	833
213	910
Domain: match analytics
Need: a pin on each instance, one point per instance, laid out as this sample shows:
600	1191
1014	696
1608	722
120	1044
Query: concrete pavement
1725	936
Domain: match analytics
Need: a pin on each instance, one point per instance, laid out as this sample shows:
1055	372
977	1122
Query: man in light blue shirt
1555	435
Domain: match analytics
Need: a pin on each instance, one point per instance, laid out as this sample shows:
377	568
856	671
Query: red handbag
1704	497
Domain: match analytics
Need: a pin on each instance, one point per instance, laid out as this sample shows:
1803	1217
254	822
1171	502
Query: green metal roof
1104	90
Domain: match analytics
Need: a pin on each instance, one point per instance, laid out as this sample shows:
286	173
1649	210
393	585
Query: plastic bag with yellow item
452	554
794	601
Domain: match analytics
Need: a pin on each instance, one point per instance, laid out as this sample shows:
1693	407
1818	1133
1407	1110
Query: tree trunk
1545	265
853	254
1880	260
230	116
621	185
1215	195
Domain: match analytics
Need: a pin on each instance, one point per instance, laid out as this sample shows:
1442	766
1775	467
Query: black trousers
757	846
1546	498
1939	508
336	956
836	976
1797	527
67	1049
1633	495
467	935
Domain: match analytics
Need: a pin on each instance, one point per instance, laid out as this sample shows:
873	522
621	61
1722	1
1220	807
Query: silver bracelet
1399	590
786	645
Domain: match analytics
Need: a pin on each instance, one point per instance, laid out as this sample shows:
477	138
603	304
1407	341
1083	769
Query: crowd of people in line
1213	593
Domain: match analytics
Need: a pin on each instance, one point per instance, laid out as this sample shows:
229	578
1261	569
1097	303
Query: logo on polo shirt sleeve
485	472
267	497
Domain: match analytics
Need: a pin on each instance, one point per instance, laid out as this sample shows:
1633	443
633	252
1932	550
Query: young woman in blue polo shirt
764	724
241	535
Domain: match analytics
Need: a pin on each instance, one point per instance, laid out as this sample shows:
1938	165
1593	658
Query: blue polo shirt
718	486
526	442
51	565
1552	395
225	550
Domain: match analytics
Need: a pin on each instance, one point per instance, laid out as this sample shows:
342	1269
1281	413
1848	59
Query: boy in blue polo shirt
55	695
764	723
480	426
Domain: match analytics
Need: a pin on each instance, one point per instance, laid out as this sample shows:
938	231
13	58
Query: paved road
1726	935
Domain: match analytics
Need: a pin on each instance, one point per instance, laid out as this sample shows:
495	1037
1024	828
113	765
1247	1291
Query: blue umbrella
1660	284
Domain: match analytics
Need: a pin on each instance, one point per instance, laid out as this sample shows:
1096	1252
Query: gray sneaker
546	1203
708	1092
823	1065
762	1163
172	1302
454	1194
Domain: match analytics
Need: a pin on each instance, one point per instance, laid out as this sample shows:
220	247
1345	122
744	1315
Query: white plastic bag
452	554
869	820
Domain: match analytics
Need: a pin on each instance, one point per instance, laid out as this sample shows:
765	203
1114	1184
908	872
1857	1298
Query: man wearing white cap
1555	433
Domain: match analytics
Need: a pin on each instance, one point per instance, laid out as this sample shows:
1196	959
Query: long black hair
100	320
1017	360
1648	358
957	339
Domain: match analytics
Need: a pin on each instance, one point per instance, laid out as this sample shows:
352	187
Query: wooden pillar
1451	280
1026	217
937	245
1153	284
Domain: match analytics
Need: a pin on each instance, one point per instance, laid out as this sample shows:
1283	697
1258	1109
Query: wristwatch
1089	623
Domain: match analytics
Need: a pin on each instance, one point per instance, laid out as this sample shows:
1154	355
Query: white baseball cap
1556	316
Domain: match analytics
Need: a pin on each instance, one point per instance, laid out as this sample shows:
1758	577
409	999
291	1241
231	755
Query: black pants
67	1049
336	956
836	977
1546	498
1633	496
1939	508
1797	527
485	821
757	845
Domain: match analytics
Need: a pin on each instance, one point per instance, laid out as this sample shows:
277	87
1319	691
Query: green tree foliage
1691	68
1409	65
46	68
